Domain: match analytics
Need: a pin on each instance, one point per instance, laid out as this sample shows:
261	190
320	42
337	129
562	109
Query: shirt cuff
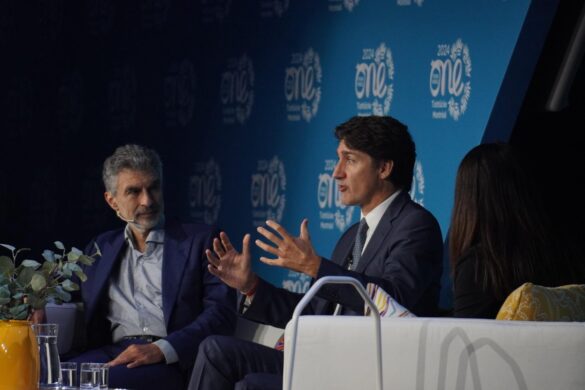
167	350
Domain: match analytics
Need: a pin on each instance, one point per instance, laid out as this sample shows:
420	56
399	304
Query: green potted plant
27	285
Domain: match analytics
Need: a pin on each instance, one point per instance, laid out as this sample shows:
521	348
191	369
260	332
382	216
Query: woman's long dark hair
497	216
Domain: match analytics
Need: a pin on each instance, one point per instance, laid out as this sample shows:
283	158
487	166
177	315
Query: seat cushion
531	302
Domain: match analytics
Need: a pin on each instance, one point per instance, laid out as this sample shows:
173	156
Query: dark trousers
227	363
147	377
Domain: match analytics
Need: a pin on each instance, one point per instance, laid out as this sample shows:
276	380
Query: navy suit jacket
196	304
404	256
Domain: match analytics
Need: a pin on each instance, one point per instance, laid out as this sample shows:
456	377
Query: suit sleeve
405	266
210	311
274	306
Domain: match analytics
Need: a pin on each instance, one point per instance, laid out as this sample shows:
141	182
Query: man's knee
215	347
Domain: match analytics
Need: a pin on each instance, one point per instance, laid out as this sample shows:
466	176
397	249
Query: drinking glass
94	376
69	375
49	354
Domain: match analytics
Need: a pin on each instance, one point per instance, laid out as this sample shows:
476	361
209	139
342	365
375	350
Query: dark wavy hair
497	217
383	138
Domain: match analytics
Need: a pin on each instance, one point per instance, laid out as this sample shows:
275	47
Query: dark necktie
358	246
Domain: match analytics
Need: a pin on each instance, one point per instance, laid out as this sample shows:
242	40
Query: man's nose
146	198
338	171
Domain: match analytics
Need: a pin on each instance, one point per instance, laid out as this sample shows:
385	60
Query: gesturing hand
139	354
294	253
232	267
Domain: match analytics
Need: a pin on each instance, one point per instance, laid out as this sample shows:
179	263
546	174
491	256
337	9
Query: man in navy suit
149	299
399	248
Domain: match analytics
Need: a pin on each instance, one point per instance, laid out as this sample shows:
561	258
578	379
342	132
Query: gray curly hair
133	157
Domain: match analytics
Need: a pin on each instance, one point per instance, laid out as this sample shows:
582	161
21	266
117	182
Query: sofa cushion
531	302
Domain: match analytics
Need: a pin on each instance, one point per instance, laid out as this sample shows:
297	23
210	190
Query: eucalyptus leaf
59	245
6	265
36	302
38	282
4	301
67	271
62	294
73	256
86	260
30	263
49	267
9	247
49	255
68	285
97	249
19	312
25	276
4	292
81	275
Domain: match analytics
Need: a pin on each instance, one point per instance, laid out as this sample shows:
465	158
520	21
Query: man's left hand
138	355
294	253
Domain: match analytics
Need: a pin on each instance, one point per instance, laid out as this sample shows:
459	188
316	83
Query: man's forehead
343	148
131	177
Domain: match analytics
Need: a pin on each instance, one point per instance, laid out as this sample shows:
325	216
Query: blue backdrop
241	98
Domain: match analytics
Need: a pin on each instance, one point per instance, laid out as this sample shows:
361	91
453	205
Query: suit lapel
104	269
383	230
175	256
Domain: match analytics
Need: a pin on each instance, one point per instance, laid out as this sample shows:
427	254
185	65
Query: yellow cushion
531	302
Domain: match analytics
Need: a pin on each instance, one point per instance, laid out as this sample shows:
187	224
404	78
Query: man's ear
110	200
385	169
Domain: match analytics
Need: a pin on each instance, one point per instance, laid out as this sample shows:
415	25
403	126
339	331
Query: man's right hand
232	267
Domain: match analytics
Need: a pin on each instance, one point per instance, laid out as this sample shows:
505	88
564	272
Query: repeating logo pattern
417	190
404	3
268	191
296	282
154	13
71	106
100	16
179	93
122	99
237	90
205	192
273	8
215	10
332	213
450	80
302	86
340	5
374	81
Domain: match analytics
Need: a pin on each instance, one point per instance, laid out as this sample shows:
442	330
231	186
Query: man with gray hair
150	299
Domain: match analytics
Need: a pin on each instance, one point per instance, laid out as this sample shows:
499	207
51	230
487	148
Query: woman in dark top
497	239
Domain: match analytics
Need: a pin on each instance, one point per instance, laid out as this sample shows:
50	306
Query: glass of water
93	376
50	365
69	375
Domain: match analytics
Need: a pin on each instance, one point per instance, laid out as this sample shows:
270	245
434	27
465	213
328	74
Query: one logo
302	86
154	13
404	3
215	10
122	99
71	107
374	81
205	192
340	5
179	94
450	80
296	282
237	90
417	190
332	213
273	8
267	191
100	17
